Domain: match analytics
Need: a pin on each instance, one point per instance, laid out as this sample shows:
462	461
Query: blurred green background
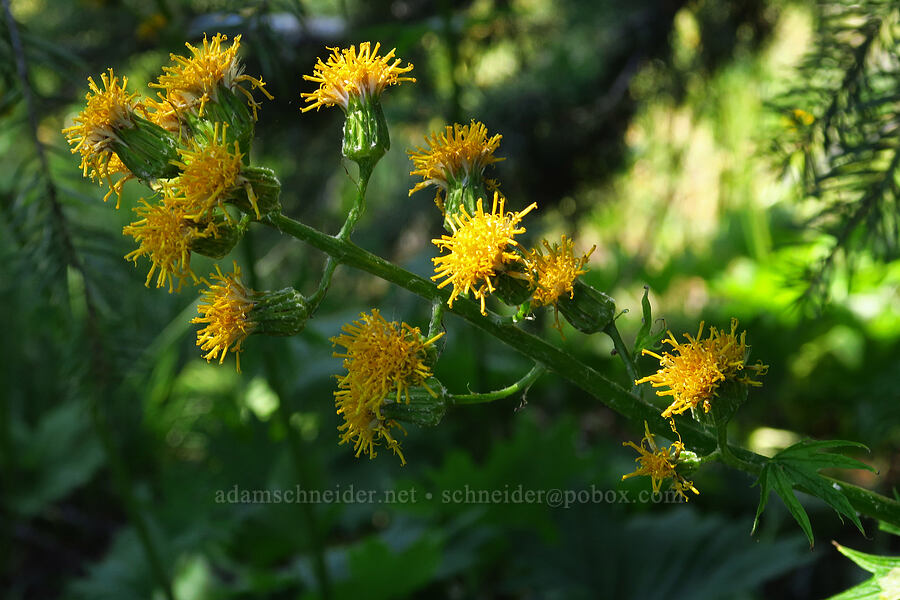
661	131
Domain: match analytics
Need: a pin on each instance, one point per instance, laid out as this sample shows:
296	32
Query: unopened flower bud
221	236
588	310
426	407
146	149
366	136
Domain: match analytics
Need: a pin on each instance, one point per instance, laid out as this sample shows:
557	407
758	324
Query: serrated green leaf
889	527
885	580
822	488
782	485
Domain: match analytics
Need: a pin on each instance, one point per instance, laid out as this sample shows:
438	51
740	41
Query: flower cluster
695	370
194	165
660	463
383	361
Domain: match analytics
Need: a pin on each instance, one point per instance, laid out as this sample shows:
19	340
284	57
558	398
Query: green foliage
799	466
885	580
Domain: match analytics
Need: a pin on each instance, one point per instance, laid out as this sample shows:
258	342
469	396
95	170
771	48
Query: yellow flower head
165	235
348	73
225	309
659	463
480	248
458	154
194	81
209	172
383	360
94	131
696	369
555	273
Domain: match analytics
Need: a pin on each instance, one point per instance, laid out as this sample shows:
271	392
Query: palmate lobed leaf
799	466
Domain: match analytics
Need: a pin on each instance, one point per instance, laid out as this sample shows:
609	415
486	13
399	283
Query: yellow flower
383	360
209	172
554	274
194	81
165	235
94	130
348	73
456	156
225	310
695	371
659	463
481	246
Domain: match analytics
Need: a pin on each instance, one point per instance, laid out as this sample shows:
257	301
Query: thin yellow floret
165	235
695	370
347	73
659	464
383	361
107	110
193	81
454	156
225	310
210	171
554	274
481	246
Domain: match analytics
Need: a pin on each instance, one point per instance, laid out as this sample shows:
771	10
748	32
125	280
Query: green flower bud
227	234
227	107
462	194
589	310
281	313
146	149
366	136
266	190
512	286
426	407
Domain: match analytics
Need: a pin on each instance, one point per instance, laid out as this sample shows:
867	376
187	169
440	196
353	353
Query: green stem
359	206
435	325
521	385
622	351
727	456
698	437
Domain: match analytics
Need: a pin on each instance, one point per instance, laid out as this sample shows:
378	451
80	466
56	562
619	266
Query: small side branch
521	385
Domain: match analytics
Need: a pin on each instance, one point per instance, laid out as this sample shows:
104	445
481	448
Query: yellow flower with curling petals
383	361
224	310
659	463
194	81
455	156
481	246
165	235
348	72
695	370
